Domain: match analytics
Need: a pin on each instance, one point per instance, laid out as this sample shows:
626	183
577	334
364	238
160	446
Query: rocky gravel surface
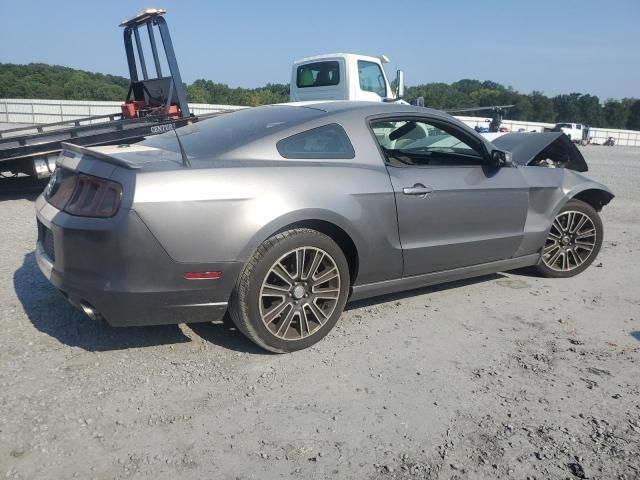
505	376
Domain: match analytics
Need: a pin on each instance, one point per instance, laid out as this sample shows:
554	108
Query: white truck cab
343	76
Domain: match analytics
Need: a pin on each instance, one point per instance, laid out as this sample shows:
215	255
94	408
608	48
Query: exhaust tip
90	311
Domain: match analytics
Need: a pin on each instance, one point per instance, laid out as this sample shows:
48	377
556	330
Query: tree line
42	81
535	106
37	80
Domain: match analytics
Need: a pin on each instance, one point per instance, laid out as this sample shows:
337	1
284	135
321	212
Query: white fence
629	138
30	111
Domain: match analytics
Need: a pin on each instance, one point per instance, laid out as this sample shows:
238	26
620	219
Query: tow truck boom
154	104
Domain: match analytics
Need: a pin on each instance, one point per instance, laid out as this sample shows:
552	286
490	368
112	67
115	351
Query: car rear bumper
116	269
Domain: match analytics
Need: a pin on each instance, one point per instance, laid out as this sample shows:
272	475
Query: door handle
418	190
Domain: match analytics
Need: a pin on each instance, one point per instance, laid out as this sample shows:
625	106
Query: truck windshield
318	74
218	135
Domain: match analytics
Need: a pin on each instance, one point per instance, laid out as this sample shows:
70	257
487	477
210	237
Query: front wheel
573	242
292	291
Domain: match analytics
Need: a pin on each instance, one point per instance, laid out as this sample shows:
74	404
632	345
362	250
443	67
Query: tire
571	247
283	308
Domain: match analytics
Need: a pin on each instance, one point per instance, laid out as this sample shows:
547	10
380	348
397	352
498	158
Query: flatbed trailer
154	105
33	150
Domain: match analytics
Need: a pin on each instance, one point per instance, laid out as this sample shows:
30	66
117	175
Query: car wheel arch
337	234
589	192
327	223
596	197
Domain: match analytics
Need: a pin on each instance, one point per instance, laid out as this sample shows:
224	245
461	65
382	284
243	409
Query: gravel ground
506	376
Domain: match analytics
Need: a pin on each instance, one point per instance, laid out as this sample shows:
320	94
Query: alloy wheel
570	242
299	293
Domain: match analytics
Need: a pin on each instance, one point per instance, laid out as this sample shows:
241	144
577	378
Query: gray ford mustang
281	214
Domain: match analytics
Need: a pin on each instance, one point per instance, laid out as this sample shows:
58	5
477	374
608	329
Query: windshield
218	135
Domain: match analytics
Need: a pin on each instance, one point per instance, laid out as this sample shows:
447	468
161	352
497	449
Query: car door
454	210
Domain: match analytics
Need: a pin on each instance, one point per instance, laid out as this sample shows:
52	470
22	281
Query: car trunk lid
133	157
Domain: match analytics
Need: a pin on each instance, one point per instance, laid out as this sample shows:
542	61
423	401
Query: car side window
372	78
414	142
326	142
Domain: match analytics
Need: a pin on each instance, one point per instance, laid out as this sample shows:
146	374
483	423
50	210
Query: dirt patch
506	376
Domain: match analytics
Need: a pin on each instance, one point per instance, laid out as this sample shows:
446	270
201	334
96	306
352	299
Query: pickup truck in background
571	130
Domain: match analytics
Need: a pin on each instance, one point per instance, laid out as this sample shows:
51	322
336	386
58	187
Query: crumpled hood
533	148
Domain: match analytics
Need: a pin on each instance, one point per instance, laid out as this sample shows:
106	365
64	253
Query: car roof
368	108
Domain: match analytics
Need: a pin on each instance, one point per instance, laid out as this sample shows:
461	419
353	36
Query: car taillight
60	187
83	195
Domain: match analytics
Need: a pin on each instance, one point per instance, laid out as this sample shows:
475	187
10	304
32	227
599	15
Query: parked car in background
280	214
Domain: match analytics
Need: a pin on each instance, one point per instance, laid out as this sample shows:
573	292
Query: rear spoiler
99	155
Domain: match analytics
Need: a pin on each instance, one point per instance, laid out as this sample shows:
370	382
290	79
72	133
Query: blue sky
553	46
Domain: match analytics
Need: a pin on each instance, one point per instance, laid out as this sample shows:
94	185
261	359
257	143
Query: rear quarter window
327	142
224	133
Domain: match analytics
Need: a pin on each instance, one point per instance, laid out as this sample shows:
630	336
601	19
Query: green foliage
541	107
38	80
615	112
534	107
633	122
206	91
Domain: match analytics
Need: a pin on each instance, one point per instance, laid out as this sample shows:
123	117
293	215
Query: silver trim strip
211	304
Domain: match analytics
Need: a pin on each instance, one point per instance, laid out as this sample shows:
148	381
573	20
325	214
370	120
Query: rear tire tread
238	309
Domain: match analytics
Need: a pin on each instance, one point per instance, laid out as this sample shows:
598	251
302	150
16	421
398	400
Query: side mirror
399	84
500	159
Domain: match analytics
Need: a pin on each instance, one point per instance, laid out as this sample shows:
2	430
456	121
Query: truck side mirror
399	84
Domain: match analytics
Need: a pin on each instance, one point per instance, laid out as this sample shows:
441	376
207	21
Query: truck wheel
573	242
292	291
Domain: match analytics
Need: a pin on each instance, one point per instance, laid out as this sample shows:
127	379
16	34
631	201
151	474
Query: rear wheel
573	242
292	291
